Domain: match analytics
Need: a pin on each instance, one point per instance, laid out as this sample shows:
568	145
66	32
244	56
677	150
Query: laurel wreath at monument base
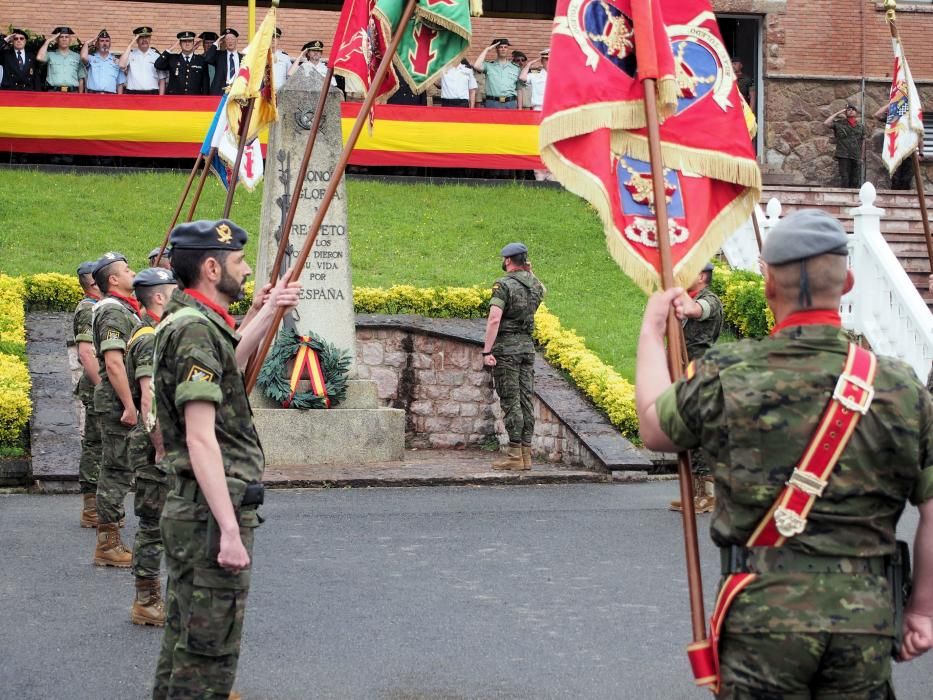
275	381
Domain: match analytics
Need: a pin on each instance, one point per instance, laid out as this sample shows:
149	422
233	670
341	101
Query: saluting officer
187	71
817	618
89	466
510	350
204	414
153	288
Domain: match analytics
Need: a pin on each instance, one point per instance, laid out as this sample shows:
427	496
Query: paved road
390	594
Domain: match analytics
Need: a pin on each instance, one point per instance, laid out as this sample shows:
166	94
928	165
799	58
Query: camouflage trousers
804	665
89	465
515	384
151	490
205	607
116	474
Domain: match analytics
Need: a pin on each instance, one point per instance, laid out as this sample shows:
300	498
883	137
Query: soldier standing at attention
850	144
153	288
702	326
115	317
89	465
510	350
806	548
212	446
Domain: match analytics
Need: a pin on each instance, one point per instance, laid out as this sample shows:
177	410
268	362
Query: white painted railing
884	306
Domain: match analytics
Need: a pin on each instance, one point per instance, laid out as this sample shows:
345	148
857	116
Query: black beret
708	267
230	30
19	32
102	34
87	268
208	235
155	251
804	234
278	32
513	249
208	36
153	277
519	54
62	30
143	31
185	35
316	45
107	259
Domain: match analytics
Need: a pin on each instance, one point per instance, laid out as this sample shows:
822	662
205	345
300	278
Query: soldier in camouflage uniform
89	466
702	326
153	288
850	144
115	317
203	411
818	620
510	350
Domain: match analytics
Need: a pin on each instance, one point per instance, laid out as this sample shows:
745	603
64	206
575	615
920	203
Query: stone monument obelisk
356	430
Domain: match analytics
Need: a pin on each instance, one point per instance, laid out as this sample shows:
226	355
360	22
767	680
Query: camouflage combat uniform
195	361
518	294
700	335
753	406
89	465
151	478
114	320
848	150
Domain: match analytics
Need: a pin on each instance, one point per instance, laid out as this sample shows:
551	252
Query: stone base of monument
356	431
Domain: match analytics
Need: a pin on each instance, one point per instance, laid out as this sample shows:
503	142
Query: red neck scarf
851	121
153	316
130	301
213	306
814	317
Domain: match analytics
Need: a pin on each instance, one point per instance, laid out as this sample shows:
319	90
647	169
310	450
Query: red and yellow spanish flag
593	135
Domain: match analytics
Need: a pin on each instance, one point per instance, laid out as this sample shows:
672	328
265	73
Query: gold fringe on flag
667	97
589	118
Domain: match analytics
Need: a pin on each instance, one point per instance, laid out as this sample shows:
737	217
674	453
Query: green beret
107	259
513	249
208	235
804	234
87	268
153	277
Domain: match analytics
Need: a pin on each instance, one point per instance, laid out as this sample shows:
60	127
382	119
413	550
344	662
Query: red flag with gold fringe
593	135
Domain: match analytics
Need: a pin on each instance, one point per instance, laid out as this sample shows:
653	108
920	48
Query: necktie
231	71
188	60
19	57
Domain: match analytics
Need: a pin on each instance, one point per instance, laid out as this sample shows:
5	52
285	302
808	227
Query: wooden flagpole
339	170
302	172
676	359
181	203
245	117
890	7
756	226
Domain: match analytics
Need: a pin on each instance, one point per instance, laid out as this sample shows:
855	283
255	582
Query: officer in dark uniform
510	350
20	69
207	41
187	71
225	59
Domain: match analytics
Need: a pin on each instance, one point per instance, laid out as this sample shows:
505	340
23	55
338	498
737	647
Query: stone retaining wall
449	398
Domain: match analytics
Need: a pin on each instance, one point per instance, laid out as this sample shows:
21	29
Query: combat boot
89	511
699	497
110	550
526	457
512	462
148	608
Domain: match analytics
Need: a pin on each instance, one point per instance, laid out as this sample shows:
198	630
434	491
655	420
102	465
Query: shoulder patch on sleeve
199	374
113	334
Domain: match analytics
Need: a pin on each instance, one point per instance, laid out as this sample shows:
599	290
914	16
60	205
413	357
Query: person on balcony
18	67
501	91
187	71
226	60
850	144
65	71
103	68
138	62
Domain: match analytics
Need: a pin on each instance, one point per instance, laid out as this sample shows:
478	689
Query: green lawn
423	235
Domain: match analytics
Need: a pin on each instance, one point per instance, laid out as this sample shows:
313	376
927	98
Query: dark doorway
741	35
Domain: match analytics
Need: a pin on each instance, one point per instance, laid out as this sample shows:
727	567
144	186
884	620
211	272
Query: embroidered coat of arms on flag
593	135
903	129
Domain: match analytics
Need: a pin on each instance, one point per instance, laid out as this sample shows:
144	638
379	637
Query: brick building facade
808	58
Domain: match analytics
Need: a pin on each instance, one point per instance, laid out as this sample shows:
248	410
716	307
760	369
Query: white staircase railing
884	306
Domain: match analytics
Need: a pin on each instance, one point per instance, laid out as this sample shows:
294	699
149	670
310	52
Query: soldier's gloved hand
659	306
232	555
918	636
129	417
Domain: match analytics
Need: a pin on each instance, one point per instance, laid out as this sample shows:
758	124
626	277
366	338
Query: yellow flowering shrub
15	406
743	301
52	291
601	383
12	316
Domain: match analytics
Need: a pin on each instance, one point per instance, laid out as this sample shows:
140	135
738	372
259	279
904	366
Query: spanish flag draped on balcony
436	38
254	81
593	135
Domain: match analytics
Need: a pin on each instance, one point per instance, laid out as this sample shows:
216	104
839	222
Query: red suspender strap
788	516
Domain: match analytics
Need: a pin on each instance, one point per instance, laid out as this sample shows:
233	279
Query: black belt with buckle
62	88
190	491
500	99
780	560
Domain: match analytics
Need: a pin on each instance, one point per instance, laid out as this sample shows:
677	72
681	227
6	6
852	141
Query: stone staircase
901	224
